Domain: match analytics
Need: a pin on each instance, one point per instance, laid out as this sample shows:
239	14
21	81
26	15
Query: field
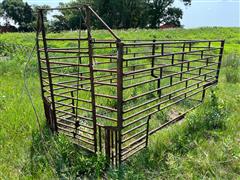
205	145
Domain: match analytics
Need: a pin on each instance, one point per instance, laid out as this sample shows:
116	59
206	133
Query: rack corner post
120	52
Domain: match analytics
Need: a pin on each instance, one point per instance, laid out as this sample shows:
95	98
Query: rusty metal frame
107	94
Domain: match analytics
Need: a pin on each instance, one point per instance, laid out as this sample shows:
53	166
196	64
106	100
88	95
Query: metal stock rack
107	94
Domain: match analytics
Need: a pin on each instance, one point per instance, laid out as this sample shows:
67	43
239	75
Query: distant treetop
116	13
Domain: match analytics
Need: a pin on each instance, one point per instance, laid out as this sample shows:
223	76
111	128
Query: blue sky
200	13
211	13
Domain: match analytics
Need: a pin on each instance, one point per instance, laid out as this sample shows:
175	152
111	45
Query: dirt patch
173	113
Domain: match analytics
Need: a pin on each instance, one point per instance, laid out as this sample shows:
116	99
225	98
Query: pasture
205	145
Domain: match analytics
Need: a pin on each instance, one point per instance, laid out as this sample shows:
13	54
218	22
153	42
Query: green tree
108	11
21	13
133	13
67	19
123	14
1	10
173	16
4	16
162	11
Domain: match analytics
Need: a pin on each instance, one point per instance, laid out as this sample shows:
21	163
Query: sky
211	13
201	13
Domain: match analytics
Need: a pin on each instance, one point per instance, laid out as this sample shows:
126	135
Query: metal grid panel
111	95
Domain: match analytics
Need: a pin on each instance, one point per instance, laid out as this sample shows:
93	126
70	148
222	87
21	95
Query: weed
210	117
66	159
232	64
232	75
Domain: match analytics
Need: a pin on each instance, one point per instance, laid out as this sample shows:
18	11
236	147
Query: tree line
116	13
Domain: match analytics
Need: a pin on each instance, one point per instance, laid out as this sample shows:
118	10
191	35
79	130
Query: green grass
206	145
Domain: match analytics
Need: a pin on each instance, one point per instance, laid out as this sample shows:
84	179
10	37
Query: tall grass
232	64
205	146
61	158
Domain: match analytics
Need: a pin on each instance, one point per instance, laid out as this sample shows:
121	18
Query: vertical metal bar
173	59
220	59
162	49
159	81
161	72
186	85
79	49
100	138
171	80
54	128
205	77
200	71
159	90
147	130
107	144
73	104
78	79
203	94
120	95
111	80
112	146
90	53
190	47
116	148
79	55
207	61
38	54
153	58
209	45
181	75
46	107
158	86
188	66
